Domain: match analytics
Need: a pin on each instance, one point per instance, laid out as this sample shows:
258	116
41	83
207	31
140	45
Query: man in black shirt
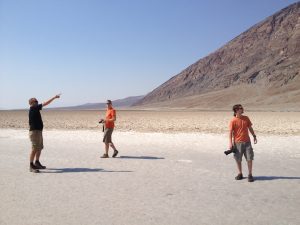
36	132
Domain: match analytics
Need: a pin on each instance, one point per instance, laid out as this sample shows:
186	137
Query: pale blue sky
93	50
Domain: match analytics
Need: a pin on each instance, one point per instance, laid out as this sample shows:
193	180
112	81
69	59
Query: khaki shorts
36	138
243	148
107	135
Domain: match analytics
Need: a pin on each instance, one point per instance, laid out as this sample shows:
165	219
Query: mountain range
260	69
119	103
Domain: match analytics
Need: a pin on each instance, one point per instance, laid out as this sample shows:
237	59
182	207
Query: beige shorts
36	138
107	135
243	148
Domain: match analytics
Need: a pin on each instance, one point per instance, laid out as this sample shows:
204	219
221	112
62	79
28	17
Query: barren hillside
260	68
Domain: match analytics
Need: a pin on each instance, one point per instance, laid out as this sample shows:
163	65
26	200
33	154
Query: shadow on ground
264	178
81	170
140	157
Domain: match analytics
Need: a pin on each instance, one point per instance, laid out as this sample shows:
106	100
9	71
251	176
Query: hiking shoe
105	156
33	168
39	165
115	153
250	178
239	176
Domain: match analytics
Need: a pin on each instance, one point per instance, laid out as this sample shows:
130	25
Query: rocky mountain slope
260	68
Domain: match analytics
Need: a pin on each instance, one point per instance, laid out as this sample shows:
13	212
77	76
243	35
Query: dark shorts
107	135
243	148
36	138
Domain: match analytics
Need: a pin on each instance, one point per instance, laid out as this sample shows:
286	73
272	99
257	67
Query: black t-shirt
35	118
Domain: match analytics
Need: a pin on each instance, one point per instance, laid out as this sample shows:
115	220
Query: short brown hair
31	101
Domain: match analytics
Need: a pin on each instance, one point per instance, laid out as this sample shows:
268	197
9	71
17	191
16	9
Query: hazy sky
93	50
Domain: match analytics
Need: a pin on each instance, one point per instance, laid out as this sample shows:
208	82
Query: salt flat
158	178
187	121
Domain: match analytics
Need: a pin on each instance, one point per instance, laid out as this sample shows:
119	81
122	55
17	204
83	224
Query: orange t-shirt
240	127
110	113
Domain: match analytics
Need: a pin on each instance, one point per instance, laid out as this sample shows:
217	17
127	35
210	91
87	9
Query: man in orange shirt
109	124
240	140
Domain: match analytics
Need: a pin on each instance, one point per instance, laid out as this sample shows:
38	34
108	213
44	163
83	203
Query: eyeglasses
241	108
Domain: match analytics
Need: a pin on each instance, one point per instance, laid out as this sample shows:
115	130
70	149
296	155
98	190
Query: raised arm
50	100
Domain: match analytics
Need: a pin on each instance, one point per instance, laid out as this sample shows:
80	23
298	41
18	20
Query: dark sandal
105	156
239	177
115	153
250	178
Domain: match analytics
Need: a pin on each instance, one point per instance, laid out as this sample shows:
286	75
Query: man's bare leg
250	166
105	155
240	175
32	155
106	148
31	158
37	160
239	166
113	146
250	177
115	150
37	155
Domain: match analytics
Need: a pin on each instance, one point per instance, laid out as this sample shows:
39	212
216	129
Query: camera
101	121
232	150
